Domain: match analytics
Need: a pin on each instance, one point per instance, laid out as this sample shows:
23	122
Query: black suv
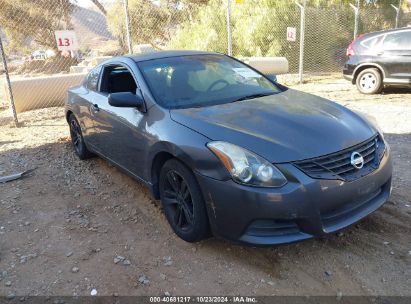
378	59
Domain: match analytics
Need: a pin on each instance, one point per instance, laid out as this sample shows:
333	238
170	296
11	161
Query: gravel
76	207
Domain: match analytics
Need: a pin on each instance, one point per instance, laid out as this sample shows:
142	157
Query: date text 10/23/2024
202	299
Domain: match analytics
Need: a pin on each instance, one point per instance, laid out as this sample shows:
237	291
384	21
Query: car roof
368	35
165	54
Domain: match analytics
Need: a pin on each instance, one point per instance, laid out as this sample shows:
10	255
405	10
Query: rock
386	243
118	259
328	273
26	223
24	258
167	294
339	295
163	276
126	262
340	234
8	283
409	252
11	296
271	283
392	252
144	280
167	261
69	254
93	292
75	269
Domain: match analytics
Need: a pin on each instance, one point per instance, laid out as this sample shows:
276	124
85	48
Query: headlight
245	167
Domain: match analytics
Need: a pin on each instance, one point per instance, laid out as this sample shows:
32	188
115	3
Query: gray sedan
228	150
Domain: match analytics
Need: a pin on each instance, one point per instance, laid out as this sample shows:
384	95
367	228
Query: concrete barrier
80	69
42	92
269	65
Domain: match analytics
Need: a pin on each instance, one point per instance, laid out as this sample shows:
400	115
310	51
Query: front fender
189	147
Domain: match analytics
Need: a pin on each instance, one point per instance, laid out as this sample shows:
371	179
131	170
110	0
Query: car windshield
203	80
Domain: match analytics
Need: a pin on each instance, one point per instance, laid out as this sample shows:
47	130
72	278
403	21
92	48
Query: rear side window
92	79
398	41
369	43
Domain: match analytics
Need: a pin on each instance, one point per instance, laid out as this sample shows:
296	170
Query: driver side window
117	79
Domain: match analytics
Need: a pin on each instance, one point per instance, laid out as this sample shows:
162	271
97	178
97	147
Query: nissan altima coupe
229	151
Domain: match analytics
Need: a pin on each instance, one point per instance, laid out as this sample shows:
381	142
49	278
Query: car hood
284	127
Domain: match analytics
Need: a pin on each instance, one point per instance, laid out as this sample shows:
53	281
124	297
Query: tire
77	139
183	202
369	81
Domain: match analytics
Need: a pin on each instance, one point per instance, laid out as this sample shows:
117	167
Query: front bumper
303	208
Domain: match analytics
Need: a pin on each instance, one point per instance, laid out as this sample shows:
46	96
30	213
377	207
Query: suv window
397	41
92	79
116	79
369	43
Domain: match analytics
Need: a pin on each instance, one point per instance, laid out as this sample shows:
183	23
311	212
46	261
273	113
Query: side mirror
126	100
272	77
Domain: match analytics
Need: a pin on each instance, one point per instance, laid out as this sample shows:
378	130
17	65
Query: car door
118	131
395	56
87	96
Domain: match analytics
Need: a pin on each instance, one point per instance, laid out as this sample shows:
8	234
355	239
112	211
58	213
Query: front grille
338	165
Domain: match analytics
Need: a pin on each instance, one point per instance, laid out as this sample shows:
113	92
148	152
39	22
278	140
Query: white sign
246	73
66	40
291	34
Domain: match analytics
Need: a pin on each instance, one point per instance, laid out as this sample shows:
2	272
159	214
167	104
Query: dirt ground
63	226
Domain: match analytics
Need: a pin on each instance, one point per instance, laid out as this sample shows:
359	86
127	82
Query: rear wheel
77	139
369	81
182	201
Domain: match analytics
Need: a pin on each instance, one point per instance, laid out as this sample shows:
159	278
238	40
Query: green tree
149	22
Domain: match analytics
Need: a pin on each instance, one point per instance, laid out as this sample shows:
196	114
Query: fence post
6	70
397	15
128	30
229	34
357	16
302	39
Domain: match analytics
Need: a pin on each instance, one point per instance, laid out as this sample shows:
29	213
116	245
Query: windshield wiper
252	96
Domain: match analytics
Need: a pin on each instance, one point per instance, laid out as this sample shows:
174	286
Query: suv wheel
369	81
183	202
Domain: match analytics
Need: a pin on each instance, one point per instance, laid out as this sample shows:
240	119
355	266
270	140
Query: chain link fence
40	73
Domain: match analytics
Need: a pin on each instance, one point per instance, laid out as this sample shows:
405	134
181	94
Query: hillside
91	27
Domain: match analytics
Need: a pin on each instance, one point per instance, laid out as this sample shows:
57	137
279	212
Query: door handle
95	108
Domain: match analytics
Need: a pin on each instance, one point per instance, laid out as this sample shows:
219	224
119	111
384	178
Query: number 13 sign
66	40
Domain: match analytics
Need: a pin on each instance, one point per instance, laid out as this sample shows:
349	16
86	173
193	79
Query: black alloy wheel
77	139
182	201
